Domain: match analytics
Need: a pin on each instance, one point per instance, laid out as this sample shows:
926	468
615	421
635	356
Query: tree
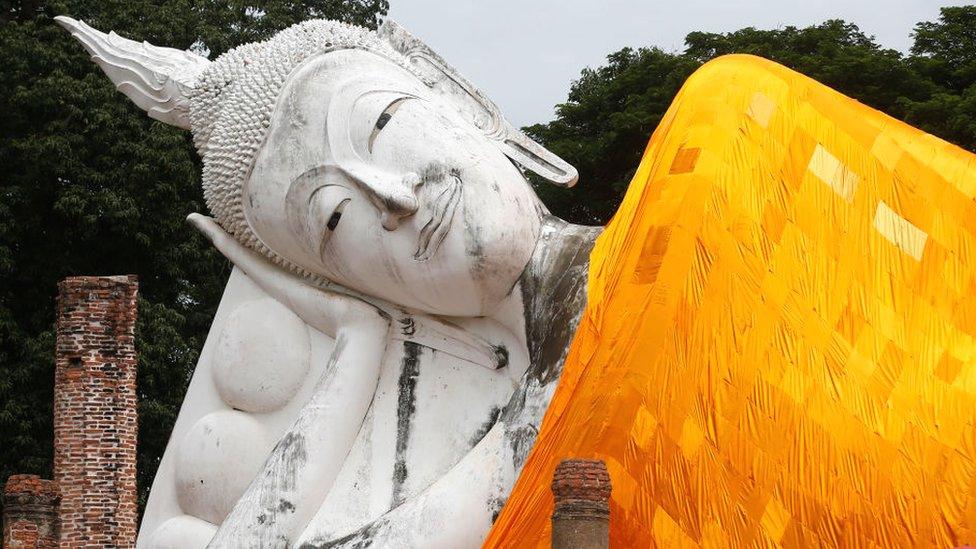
610	112
945	52
604	125
835	53
91	185
949	47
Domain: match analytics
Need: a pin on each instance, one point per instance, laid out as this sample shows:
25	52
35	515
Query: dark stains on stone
475	249
360	539
495	506
521	440
293	453
407	326
287	460
486	426
435	172
554	293
516	404
286	506
337	349
501	356
406	408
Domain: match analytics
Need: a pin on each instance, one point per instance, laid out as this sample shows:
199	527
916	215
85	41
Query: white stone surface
368	378
203	399
183	532
215	462
156	79
465	220
262	357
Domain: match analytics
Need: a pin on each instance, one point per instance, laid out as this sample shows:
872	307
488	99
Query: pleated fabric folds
778	347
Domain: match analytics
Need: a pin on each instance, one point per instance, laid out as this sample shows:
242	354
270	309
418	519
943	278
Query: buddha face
369	180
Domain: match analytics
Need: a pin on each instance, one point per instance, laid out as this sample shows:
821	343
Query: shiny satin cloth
778	347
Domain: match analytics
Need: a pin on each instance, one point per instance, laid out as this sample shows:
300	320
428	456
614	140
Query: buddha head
356	156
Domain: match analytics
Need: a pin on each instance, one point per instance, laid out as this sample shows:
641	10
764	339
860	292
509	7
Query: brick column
30	513
581	518
95	411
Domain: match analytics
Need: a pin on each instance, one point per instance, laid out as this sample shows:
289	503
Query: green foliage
91	185
945	53
604	125
949	46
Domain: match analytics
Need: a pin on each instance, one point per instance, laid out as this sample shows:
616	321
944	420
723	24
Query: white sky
525	53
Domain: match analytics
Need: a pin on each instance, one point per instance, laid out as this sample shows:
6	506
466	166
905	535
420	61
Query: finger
199	222
205	225
246	259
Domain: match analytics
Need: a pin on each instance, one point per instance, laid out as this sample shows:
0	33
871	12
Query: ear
156	79
473	104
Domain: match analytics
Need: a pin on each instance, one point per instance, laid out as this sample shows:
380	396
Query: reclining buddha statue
770	343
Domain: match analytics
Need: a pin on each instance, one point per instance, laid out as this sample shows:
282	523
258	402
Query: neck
541	312
552	294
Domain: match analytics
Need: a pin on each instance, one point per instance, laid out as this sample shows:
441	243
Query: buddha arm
455	511
321	309
306	460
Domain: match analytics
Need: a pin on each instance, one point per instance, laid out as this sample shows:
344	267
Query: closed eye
383	119
334	220
331	225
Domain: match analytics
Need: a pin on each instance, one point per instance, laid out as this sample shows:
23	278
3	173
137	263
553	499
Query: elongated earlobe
475	106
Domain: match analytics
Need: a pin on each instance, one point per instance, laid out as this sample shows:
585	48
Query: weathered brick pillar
30	513
581	518
95	411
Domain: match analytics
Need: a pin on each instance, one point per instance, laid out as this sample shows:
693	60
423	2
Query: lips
435	230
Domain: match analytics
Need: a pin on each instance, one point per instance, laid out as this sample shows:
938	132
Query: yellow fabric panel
778	347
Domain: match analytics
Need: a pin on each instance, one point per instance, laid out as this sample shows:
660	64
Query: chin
469	302
452	294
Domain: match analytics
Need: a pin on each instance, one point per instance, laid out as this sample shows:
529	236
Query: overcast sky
525	53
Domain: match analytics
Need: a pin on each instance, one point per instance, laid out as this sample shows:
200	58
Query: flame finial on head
228	103
158	80
164	81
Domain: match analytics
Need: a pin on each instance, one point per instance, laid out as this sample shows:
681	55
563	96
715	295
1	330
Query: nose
401	203
394	196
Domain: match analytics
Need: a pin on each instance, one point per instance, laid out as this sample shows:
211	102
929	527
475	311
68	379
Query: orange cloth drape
778	346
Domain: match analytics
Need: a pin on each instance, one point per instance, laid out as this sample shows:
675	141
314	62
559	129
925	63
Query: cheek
417	136
360	253
501	227
352	238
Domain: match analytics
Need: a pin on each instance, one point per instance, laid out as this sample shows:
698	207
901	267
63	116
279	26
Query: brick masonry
581	488
30	507
581	505
95	411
